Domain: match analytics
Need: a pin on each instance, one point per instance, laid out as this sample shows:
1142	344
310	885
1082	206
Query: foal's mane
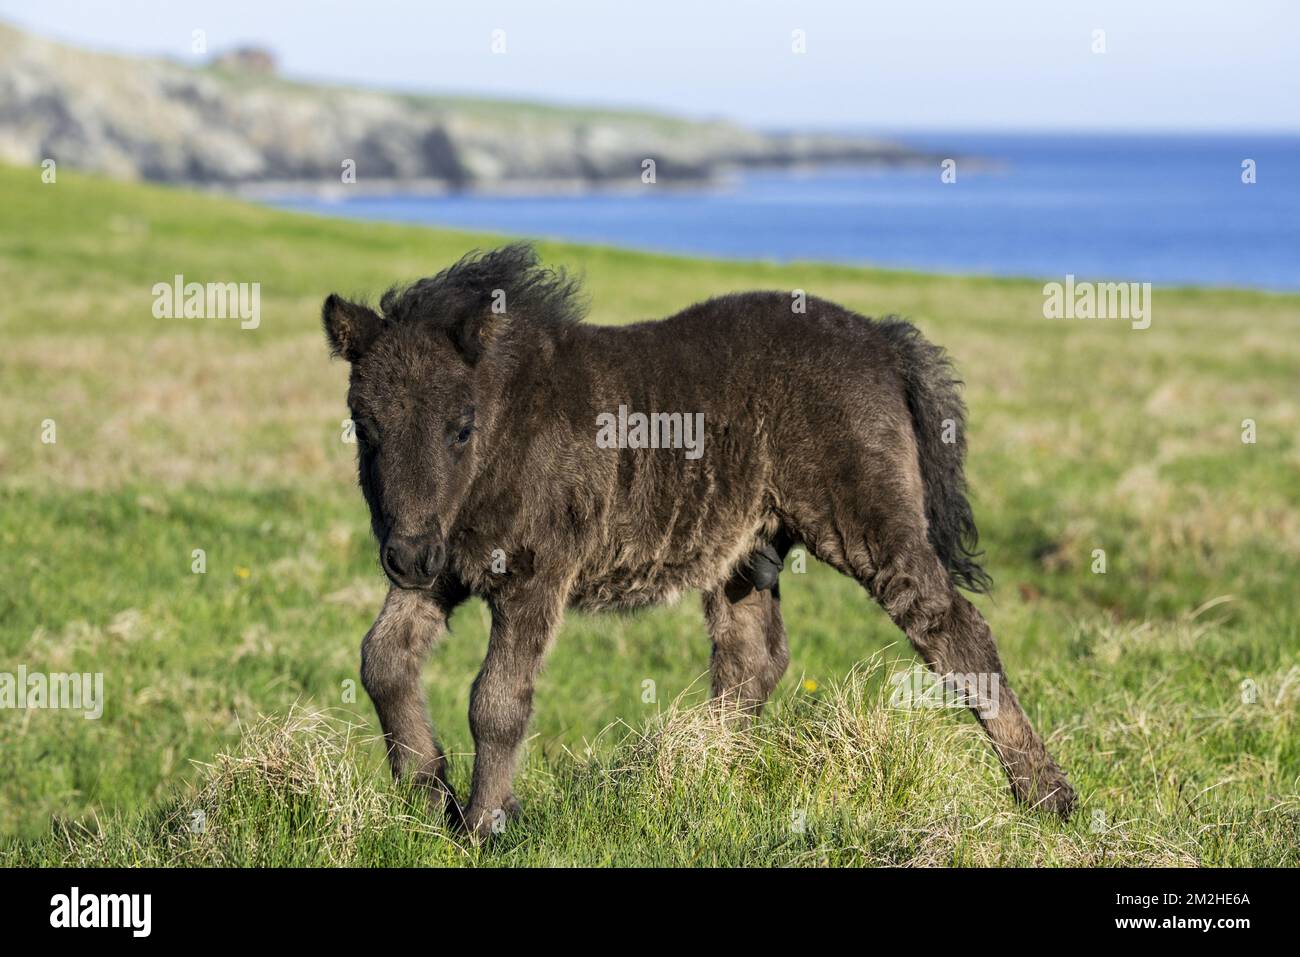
547	296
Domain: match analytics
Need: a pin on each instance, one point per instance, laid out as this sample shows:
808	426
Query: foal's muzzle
412	562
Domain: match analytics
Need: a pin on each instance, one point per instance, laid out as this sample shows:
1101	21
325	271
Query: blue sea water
1160	209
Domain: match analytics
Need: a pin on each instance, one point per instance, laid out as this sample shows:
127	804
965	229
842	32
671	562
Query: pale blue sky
905	64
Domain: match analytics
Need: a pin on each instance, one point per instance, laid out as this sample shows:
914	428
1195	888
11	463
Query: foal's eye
461	429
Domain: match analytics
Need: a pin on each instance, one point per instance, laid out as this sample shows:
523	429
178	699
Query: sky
1195	65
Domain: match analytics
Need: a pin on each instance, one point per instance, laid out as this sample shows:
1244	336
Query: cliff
229	124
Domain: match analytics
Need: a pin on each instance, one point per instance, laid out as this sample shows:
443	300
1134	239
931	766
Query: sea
1203	210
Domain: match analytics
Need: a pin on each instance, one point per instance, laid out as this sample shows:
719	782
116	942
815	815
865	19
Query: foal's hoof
1050	791
482	823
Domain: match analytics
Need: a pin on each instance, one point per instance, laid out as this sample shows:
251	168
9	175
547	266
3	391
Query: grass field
1167	687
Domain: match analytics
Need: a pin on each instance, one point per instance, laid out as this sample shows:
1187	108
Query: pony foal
477	433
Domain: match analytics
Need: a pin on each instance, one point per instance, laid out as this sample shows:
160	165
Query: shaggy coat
483	409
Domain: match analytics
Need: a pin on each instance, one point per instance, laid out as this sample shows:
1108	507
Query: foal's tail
939	419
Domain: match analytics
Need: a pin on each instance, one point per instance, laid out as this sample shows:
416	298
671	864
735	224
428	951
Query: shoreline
723	178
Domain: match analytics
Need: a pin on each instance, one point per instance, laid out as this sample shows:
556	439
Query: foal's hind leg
750	651
392	654
956	642
899	567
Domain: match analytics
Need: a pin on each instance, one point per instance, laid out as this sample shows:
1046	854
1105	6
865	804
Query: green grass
233	692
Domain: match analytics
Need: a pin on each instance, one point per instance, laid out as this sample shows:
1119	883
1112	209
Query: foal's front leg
392	655
501	701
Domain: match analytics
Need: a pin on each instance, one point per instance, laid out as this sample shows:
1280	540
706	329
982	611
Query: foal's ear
474	334
349	327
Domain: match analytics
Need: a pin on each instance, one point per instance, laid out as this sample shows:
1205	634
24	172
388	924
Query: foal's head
429	387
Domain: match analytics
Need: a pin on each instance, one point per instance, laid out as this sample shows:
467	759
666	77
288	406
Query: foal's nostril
433	559
394	560
412	562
